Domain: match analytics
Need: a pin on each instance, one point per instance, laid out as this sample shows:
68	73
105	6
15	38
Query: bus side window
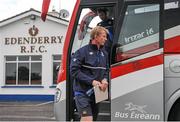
139	33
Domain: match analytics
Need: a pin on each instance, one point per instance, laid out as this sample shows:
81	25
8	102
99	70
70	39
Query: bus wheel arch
173	107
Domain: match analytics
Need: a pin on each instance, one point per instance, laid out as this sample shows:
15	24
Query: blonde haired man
89	67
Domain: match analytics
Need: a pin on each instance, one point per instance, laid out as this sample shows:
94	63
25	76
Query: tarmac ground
27	111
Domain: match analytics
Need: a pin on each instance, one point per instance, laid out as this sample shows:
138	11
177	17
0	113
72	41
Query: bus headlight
58	95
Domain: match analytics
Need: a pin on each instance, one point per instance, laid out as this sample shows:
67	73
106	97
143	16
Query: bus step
104	107
104	117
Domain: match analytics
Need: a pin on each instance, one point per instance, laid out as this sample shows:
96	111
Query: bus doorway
90	17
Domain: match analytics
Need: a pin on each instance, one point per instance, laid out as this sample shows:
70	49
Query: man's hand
96	83
104	85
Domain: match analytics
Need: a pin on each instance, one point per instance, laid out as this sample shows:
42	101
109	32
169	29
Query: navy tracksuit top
88	63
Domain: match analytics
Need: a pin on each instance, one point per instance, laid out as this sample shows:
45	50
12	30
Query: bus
144	60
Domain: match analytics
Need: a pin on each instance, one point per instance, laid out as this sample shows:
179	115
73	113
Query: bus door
86	19
137	63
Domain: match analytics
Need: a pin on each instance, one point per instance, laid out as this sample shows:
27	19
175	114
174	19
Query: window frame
17	62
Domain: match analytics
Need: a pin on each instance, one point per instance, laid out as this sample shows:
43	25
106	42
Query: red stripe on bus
62	72
172	45
124	69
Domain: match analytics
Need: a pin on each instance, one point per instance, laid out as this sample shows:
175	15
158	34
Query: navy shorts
86	105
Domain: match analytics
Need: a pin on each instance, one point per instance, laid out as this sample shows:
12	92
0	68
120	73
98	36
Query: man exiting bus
89	68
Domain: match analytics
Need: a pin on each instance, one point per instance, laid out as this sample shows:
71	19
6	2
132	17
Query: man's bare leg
87	119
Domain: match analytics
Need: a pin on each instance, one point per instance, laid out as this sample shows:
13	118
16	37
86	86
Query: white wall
20	29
